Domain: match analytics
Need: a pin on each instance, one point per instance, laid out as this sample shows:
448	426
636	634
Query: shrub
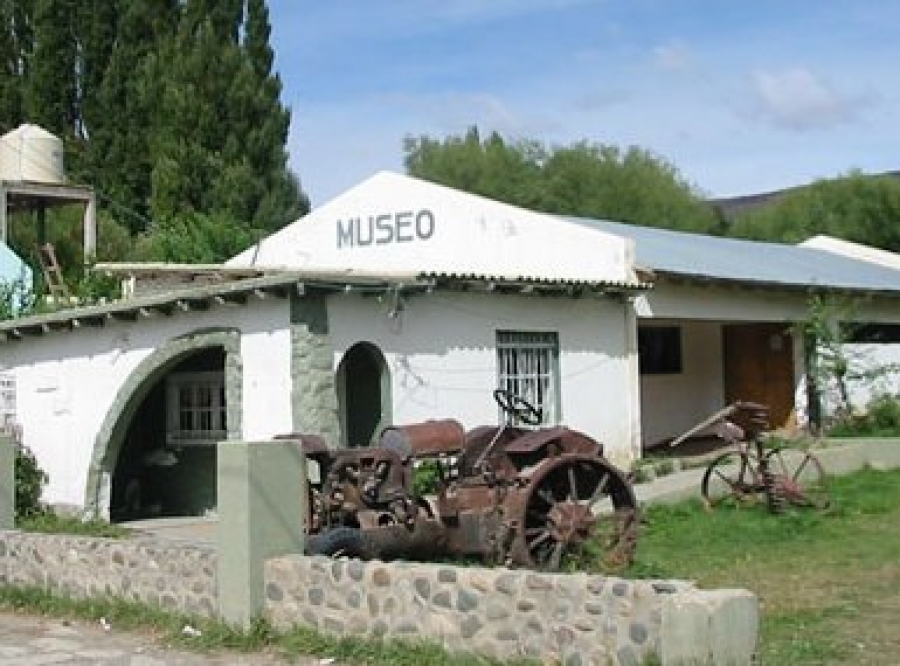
884	412
427	477
30	482
881	419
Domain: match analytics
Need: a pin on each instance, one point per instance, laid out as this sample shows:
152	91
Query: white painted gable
853	250
397	224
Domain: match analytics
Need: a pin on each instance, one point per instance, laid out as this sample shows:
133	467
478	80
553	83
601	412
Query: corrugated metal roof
701	257
536	281
238	290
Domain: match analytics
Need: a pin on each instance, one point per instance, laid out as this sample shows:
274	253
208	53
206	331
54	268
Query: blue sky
742	96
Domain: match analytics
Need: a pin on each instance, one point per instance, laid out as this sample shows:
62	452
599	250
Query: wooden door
759	367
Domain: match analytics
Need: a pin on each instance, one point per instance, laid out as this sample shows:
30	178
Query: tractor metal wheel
575	505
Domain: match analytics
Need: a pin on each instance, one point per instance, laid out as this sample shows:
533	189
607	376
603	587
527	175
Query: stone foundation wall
174	576
572	619
555	618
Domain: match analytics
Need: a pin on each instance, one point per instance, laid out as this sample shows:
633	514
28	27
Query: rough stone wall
175	576
313	396
574	618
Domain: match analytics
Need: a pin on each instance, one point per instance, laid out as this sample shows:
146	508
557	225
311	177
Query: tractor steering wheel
518	408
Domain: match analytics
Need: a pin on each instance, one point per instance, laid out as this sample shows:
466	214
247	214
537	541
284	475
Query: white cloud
674	56
796	99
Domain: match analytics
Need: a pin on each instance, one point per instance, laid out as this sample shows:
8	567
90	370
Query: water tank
30	153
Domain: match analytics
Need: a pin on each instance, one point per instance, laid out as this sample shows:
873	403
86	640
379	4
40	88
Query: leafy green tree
583	179
856	207
631	185
194	238
489	167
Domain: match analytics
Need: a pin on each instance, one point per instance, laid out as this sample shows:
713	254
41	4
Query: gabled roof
697	257
391	222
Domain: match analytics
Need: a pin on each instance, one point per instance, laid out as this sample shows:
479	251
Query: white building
401	301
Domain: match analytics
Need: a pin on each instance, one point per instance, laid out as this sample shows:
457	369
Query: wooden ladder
52	274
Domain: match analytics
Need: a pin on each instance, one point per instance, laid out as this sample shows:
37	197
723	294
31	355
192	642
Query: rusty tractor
506	494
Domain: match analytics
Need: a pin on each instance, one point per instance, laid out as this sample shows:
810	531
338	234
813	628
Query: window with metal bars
196	408
7	402
528	366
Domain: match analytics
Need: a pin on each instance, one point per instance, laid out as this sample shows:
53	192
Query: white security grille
7	402
528	366
196	412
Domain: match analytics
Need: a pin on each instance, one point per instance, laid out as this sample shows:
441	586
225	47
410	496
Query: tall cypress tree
15	53
265	128
188	135
51	95
219	143
174	103
223	16
98	24
127	101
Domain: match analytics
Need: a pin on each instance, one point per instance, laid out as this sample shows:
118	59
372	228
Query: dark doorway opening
364	390
167	464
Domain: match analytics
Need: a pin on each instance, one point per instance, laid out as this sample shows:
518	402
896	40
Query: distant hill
732	207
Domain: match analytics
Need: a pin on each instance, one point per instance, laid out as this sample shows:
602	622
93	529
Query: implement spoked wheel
575	505
794	478
799	478
732	478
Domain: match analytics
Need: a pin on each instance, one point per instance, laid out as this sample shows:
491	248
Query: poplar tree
126	102
170	109
51	91
266	127
219	140
15	49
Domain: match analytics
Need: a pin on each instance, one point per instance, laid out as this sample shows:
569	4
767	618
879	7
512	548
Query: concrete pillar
7	482
262	509
4	213
709	628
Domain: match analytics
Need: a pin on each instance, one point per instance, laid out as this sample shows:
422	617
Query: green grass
217	636
828	583
50	523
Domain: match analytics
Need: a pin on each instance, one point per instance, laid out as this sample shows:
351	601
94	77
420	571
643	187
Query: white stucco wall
442	358
880	365
671	404
266	358
716	303
67	382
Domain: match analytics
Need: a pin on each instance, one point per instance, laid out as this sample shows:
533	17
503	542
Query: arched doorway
364	391
166	465
136	435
